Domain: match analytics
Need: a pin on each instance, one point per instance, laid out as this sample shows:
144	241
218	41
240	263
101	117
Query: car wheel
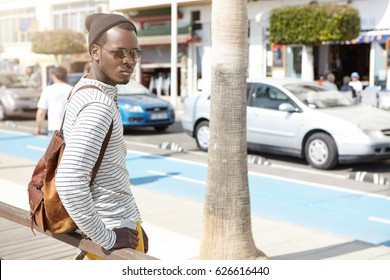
2	112
202	135
321	151
161	128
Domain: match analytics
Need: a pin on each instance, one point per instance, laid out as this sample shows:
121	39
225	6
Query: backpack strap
106	139
71	93
102	151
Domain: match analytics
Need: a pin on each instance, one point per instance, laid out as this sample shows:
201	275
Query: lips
127	72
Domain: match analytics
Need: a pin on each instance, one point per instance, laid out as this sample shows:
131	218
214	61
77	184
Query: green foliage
58	42
313	24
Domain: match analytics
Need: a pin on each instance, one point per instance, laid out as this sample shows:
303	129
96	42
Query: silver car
302	119
17	96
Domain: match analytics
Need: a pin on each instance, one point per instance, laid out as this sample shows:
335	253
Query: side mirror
287	107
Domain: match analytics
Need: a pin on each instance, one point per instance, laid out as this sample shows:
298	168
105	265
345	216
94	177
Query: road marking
308	171
377	224
178	177
312	184
141	144
379	220
250	173
157	147
36	148
322	186
203	153
167	158
272	164
15	132
29	128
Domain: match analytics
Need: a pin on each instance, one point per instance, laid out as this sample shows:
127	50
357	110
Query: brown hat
99	23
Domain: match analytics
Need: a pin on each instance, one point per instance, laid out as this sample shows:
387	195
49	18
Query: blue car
138	107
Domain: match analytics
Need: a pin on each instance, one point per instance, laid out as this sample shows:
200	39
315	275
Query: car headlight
374	133
133	108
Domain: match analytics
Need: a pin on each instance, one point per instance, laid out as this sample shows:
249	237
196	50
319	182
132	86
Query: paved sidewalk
174	227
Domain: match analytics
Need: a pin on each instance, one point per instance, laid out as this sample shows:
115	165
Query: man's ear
95	52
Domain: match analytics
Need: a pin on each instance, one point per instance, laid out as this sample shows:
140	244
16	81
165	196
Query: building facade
367	54
176	38
20	18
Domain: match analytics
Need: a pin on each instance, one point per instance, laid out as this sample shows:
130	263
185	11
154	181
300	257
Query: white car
17	96
302	119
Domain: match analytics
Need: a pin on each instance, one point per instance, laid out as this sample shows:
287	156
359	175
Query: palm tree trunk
227	218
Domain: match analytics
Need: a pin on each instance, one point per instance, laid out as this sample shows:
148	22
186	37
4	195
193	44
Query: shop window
195	20
294	62
199	55
15	25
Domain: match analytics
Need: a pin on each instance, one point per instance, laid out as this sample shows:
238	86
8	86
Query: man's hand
39	119
125	238
146	241
37	130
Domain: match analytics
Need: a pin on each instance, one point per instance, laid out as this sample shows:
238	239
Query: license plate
159	116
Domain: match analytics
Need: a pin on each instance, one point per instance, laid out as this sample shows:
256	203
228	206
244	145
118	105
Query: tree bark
227	232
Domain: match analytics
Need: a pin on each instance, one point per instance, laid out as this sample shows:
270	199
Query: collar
109	90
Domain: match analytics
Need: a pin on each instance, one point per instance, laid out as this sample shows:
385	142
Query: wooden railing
20	216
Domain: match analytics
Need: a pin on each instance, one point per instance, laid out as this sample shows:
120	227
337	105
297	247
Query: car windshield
132	87
15	81
316	96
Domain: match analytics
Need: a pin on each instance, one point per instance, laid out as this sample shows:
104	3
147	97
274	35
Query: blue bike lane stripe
342	212
329	209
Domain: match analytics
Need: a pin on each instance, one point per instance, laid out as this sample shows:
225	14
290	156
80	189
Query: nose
128	59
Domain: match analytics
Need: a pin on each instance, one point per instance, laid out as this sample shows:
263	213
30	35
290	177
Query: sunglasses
135	54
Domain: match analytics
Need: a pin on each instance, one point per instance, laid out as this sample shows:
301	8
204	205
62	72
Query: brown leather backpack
46	208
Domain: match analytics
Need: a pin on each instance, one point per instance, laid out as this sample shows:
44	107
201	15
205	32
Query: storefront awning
166	39
365	38
372	36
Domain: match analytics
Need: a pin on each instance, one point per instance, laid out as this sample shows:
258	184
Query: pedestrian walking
107	211
52	102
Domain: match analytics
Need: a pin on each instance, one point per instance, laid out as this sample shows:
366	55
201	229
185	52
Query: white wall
374	14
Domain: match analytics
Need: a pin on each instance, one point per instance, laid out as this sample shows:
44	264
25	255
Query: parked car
377	97
73	78
17	95
302	119
138	107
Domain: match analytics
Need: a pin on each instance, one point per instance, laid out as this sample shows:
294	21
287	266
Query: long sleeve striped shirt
97	209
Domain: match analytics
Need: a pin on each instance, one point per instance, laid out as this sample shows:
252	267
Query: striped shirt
97	209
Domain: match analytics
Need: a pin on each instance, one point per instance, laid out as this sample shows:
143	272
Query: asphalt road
327	206
174	140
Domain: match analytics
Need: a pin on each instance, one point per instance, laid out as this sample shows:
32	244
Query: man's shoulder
88	85
91	92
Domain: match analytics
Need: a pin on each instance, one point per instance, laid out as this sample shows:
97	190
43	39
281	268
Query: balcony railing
165	31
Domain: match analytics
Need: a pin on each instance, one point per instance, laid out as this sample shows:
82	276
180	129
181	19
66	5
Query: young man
98	210
53	102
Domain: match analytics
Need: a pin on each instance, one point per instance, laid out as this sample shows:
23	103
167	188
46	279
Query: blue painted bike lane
352	214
